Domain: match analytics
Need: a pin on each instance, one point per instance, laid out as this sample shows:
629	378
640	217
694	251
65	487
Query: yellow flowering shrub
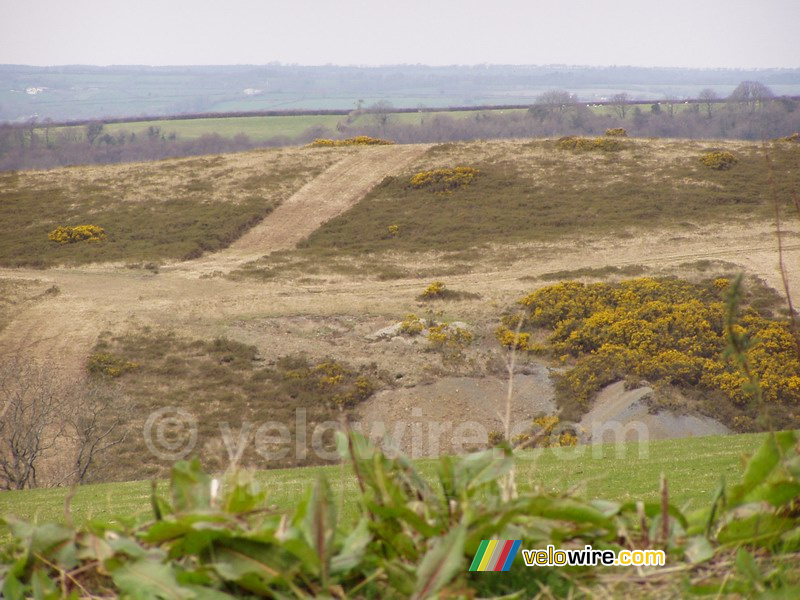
444	180
719	160
546	433
617	132
512	340
340	386
80	233
412	325
449	340
102	363
435	290
664	331
393	230
359	140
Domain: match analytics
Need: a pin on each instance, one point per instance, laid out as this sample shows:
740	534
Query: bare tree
49	417
557	100
381	111
707	98
30	422
620	103
95	424
751	95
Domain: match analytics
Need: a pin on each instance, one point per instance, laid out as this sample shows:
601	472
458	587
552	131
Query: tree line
751	112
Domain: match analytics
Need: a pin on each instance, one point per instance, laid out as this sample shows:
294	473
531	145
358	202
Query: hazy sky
684	33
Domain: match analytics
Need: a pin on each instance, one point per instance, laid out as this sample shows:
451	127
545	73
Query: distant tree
751	95
557	100
620	103
380	112
93	131
669	103
48	122
655	108
707	98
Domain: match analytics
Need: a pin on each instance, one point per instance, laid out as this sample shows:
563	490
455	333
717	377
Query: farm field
693	467
260	129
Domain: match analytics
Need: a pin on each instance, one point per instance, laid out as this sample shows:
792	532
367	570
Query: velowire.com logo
495	555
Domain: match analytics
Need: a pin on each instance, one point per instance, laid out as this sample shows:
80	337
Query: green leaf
761	528
746	565
762	463
43	587
190	486
482	467
402	514
698	550
791	541
12	588
320	522
127	546
352	552
441	563
146	579
235	559
565	509
241	493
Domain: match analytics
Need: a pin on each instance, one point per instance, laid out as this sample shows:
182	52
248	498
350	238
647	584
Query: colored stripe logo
495	555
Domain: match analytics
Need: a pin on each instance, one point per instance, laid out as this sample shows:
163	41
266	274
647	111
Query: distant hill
86	92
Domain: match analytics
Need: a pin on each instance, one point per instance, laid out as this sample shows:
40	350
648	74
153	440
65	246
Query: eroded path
330	194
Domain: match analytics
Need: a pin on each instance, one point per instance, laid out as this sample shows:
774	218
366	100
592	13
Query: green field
260	129
693	467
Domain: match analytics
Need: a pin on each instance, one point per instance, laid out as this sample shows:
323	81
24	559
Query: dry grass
172	209
534	193
221	381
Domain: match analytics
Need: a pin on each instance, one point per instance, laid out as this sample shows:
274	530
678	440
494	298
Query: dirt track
326	196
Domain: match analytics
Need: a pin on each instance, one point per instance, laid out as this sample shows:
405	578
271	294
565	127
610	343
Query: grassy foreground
693	467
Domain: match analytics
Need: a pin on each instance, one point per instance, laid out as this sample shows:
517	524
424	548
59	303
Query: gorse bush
444	180
434	291
360	140
412	325
719	160
80	233
546	432
664	331
582	144
101	363
342	386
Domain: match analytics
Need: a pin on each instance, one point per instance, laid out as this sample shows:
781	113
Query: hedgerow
664	331
80	233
